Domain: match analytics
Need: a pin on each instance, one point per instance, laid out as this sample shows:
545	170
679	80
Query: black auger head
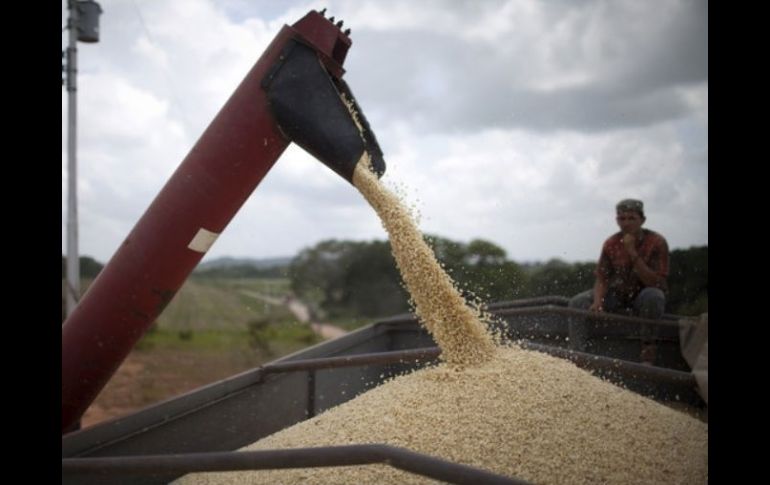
315	108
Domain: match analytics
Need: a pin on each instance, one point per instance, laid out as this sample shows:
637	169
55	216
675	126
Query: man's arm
600	291
649	276
602	272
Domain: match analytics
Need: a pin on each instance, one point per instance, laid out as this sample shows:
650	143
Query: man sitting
630	276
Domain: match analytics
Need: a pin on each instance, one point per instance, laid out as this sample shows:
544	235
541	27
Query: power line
141	21
173	90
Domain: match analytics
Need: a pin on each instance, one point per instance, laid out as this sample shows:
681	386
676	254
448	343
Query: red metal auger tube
211	184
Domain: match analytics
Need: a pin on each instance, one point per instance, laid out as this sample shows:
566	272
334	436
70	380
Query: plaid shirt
616	268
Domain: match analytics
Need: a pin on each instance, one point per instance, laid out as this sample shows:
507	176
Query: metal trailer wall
235	412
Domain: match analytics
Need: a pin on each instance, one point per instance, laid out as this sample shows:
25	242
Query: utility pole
83	25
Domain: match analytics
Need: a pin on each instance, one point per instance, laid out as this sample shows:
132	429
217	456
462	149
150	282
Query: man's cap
631	205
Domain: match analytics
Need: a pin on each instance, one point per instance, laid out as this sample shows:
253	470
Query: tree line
89	267
354	278
343	278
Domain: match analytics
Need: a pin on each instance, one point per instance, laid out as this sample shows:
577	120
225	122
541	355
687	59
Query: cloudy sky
517	121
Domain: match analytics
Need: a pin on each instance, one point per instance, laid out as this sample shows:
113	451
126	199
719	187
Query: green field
223	304
231	315
219	304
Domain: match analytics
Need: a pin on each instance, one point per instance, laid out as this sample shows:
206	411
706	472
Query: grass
217	309
210	303
278	336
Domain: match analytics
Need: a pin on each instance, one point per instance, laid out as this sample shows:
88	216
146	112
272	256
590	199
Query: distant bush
89	267
243	271
266	334
186	334
688	281
260	334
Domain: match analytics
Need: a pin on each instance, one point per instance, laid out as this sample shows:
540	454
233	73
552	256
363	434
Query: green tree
348	278
479	268
315	271
371	284
688	281
557	277
89	267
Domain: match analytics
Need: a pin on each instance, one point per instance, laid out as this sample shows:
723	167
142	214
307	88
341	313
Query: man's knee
582	300
651	303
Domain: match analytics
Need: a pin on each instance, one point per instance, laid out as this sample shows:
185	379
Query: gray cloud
610	70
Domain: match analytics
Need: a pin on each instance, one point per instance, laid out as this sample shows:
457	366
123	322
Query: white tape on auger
203	240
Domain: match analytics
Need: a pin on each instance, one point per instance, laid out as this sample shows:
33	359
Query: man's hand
629	242
596	307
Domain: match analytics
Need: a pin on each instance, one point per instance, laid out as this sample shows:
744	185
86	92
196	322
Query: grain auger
294	93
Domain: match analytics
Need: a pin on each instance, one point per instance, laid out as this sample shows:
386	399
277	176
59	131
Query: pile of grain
514	412
521	414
